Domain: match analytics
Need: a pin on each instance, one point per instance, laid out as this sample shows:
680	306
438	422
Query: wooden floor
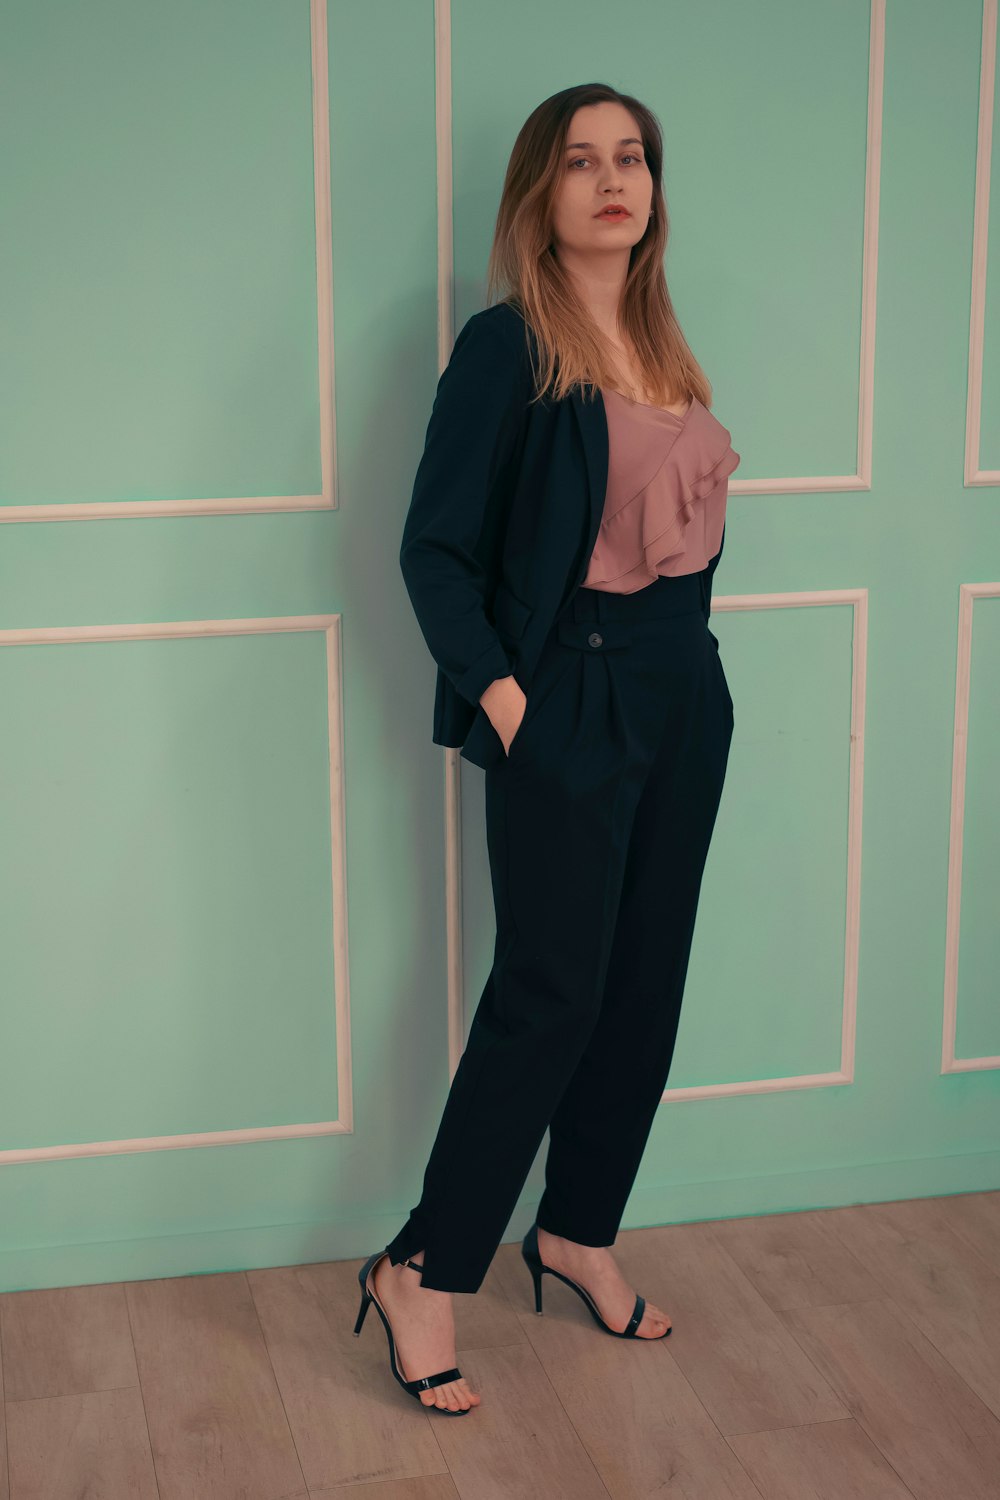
848	1354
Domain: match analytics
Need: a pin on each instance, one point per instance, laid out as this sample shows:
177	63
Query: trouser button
595	639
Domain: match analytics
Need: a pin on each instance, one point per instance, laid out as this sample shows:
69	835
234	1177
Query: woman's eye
629	154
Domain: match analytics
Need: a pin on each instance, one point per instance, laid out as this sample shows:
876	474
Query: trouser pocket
552	663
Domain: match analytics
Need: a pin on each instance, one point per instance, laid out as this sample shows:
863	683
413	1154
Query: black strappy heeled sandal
537	1267
414	1387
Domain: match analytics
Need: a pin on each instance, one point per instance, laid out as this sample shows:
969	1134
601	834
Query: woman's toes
451	1396
658	1323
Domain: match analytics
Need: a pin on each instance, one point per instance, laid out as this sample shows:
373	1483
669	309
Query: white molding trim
104	510
967	595
330	625
858	600
974	475
454	947
862	479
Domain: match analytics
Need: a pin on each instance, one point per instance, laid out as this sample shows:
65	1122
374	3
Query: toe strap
635	1319
429	1381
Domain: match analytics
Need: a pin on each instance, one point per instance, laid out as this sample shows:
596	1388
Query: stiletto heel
533	1260
366	1303
537	1267
413	1387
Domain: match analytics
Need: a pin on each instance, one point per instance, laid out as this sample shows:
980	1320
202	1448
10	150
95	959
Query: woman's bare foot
595	1269
423	1327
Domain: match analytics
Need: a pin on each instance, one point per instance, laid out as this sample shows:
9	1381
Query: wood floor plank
938	1280
644	1428
794	1261
95	1443
216	1422
823	1460
975	1218
843	1354
66	1341
351	1422
4	1487
733	1349
937	1434
423	1487
519	1444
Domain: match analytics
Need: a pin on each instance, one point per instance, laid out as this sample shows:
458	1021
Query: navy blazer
504	515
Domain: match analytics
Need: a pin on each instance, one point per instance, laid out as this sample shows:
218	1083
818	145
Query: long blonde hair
523	268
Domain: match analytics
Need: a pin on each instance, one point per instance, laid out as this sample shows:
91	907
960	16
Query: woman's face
604	163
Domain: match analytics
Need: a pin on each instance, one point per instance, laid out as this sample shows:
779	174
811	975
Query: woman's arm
473	429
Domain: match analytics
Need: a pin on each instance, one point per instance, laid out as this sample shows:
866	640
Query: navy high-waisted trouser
598	826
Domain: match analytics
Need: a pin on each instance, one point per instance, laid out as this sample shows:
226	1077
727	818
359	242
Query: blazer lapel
592	421
592	424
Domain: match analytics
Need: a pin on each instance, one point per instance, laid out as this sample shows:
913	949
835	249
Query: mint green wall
167	944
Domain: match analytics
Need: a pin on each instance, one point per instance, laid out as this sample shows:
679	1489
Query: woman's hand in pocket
505	703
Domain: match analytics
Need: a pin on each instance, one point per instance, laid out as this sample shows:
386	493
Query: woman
567	516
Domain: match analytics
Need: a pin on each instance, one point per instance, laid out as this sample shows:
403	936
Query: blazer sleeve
472	432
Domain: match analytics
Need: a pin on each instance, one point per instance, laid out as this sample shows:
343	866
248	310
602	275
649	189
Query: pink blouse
665	505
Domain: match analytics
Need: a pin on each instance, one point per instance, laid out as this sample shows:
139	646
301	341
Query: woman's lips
620	213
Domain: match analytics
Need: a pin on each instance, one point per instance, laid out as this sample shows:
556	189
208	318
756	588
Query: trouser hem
438	1274
578	1233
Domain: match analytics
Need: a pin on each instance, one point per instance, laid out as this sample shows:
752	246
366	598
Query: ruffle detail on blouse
649	527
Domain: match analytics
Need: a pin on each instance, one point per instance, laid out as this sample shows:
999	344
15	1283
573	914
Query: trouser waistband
663	597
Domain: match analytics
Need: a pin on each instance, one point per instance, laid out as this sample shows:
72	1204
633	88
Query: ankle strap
414	1265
